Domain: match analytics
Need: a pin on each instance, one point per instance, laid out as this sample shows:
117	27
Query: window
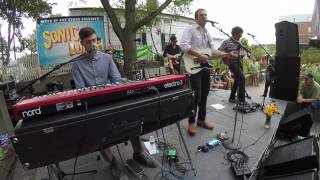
144	38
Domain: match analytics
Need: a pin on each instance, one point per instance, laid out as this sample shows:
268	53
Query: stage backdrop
58	39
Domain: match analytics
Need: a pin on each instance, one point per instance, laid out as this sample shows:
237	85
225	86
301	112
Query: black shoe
143	160
232	100
116	170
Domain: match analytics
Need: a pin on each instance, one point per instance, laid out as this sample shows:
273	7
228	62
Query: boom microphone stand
48	73
269	71
230	144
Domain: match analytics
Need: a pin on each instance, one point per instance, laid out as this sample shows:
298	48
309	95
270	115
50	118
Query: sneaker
143	160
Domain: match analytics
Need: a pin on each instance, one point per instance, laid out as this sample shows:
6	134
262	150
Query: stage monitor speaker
312	175
299	156
296	124
286	78
287	40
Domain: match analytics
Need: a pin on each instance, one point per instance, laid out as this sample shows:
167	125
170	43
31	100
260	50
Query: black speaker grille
286	81
292	158
287	40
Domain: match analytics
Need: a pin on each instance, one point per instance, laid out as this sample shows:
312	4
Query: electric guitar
191	63
230	60
169	62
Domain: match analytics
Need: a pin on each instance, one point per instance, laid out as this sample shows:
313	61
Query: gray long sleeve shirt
90	70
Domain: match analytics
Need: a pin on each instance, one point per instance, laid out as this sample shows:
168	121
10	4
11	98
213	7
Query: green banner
143	53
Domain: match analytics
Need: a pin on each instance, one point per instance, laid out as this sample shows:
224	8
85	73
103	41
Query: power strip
240	169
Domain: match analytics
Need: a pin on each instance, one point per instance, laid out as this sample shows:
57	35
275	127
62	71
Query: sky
257	17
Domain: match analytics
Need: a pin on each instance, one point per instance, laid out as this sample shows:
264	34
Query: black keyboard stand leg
186	148
60	174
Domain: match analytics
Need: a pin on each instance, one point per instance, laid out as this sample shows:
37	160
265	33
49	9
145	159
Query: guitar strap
206	37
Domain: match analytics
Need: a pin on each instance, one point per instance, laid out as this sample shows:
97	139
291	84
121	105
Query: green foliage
217	63
3	50
29	43
246	64
310	60
310	56
12	12
257	53
245	43
313	69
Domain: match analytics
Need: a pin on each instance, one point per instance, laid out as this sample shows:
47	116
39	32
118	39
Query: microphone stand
48	73
230	144
269	71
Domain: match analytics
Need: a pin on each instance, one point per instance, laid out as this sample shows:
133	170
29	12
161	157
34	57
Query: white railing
28	68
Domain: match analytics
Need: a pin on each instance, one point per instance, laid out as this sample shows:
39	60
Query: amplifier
291	158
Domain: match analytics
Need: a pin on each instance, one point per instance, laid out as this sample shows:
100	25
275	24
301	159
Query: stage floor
250	134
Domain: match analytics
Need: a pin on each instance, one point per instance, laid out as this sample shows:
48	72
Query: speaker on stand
287	62
287	39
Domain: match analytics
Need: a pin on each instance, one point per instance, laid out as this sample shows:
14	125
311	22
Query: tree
29	43
136	15
3	50
12	12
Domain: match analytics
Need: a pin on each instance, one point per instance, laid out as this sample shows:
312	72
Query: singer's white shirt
196	37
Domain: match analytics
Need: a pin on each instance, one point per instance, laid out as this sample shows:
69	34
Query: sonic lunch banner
58	38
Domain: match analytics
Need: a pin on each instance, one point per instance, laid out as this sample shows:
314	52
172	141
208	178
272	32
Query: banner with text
58	39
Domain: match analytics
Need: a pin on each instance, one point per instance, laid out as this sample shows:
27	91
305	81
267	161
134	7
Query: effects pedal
134	168
240	168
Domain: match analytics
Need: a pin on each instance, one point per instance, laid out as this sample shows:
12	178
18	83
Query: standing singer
235	65
194	39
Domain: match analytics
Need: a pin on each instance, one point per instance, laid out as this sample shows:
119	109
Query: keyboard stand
55	170
186	148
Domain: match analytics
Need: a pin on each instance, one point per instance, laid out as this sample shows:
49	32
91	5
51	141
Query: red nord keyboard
40	106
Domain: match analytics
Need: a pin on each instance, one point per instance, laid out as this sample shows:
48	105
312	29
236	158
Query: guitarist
173	53
235	65
198	37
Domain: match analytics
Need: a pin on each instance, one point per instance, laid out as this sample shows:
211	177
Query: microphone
212	22
251	35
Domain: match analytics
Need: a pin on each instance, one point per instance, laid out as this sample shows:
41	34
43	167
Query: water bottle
152	140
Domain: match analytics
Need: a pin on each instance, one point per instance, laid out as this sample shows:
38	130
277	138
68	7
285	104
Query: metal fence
28	68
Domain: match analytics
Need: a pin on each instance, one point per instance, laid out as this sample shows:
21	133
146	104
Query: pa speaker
301	176
296	124
299	156
286	78
287	40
